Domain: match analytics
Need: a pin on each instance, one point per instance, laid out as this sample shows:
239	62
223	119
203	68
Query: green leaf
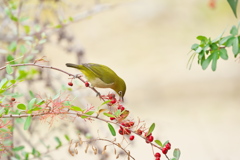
118	113
206	62
35	109
234	30
214	60
41	102
27	122
177	153
233	5
87	113
235	46
229	42
58	26
9	69
71	19
18	148
13	46
151	129
16	157
3	83
199	49
21	106
90	113
214	46
67	137
31	103
25	155
202	38
31	94
109	115
59	142
75	108
223	53
164	144
10	59
14	18
36	153
27	29
224	40
112	130
194	46
159	143
105	102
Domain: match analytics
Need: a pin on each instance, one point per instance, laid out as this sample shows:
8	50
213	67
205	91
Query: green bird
101	76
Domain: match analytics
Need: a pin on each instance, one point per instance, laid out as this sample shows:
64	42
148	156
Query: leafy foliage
209	51
22	50
233	5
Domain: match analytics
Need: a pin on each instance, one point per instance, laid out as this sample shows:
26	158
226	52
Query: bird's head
120	87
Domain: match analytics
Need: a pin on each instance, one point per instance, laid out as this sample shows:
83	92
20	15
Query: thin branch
54	68
114	143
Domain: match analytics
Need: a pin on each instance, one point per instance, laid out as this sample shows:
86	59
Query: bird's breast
97	82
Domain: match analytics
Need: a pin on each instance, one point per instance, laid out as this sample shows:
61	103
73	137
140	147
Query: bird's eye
120	92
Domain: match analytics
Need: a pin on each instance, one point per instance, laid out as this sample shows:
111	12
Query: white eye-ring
120	92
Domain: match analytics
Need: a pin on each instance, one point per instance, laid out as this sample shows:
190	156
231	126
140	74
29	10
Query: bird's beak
122	99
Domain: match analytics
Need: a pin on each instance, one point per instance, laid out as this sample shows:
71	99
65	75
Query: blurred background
147	43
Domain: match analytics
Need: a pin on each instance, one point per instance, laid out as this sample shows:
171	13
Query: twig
116	144
54	68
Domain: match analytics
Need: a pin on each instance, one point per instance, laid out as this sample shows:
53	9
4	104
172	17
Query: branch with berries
113	114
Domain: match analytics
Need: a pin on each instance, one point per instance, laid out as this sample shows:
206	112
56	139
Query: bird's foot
77	76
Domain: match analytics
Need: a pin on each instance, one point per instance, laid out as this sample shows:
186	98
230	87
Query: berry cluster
164	151
166	148
86	84
149	137
125	129
110	97
157	156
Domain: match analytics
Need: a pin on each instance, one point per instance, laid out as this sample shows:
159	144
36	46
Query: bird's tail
72	65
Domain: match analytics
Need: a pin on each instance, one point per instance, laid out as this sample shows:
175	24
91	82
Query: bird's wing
103	72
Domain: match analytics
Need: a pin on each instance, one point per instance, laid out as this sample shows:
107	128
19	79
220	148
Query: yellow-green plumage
101	76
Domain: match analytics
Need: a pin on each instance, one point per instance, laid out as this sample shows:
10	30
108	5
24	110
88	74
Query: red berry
164	150
157	158
70	83
113	101
139	132
13	99
120	131
112	118
168	146
131	137
86	84
149	139
157	155
123	124
121	108
111	96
